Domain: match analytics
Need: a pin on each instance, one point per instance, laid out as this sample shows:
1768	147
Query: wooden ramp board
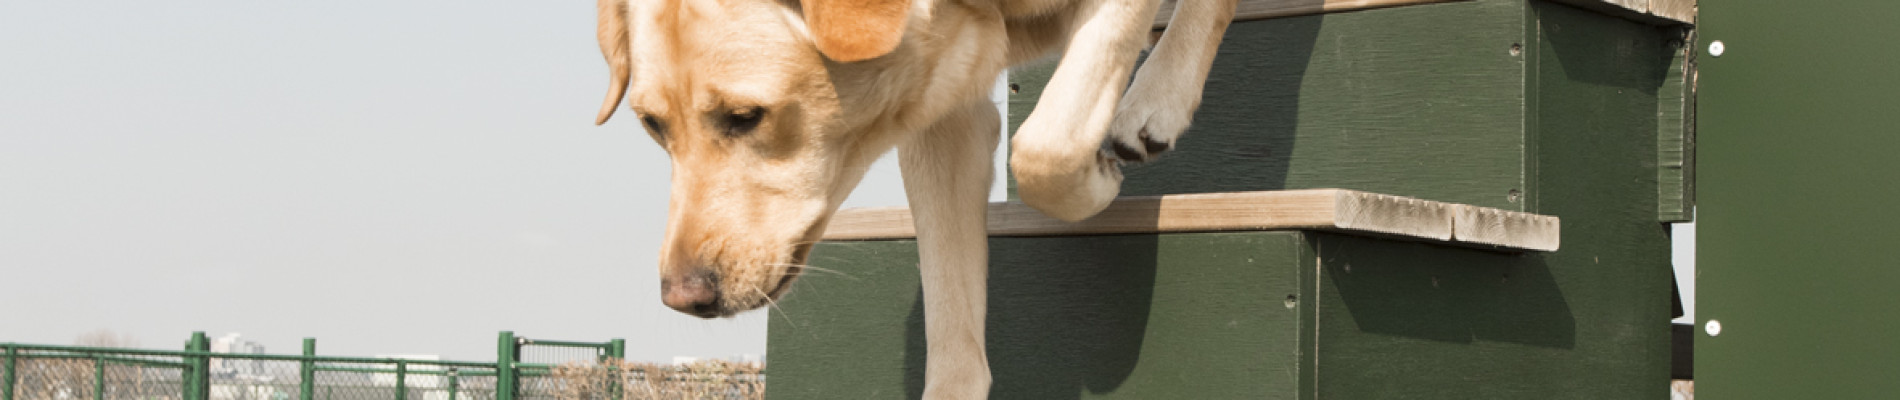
1263	9
1653	11
1337	210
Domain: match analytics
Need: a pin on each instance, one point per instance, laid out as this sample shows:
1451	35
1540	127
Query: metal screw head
1714	327
1517	49
1292	301
1716	48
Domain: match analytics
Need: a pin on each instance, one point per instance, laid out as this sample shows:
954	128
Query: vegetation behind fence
525	369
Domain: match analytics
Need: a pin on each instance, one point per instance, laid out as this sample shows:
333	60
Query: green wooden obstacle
1499	105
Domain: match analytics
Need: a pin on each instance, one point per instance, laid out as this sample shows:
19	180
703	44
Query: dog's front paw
1063	180
1149	120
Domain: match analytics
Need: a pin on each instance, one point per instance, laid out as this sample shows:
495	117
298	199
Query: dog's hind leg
1157	108
947	176
1056	153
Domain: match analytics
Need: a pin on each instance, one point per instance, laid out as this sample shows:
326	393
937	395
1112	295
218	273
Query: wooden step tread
1336	210
1662	12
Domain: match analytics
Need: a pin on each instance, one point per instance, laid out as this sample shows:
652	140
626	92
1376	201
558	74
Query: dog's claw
1136	138
1154	146
1122	152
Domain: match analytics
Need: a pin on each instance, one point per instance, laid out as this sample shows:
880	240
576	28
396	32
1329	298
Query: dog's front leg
1158	106
1056	153
947	178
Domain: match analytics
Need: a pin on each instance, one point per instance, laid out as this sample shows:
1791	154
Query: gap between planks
1337	210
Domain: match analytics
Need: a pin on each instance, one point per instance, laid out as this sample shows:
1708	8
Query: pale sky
390	177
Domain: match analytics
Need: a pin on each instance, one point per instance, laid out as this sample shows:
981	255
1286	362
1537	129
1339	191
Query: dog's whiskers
819	269
774	304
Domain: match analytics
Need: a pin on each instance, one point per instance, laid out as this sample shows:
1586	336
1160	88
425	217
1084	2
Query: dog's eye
741	121
653	125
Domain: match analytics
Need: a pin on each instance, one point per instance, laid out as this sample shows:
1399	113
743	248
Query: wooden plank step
1264	9
1661	12
1339	210
1655	12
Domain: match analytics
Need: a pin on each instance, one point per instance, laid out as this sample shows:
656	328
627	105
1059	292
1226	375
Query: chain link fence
527	370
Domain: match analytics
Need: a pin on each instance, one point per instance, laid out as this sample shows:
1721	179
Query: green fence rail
524	369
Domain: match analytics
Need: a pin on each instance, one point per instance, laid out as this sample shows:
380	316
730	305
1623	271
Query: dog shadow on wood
1065	315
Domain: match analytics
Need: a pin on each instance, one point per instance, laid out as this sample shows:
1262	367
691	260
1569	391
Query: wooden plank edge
1394	215
1205	212
1335	210
1266	9
1669	13
1507	229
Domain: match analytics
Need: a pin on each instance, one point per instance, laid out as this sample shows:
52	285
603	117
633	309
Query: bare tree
66	375
704	380
106	338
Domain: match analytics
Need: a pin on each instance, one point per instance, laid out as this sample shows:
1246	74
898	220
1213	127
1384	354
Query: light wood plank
1680	11
1676	10
1509	229
1318	209
1640	6
1263	9
1656	12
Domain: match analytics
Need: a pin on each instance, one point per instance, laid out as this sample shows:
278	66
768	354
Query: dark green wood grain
1117	317
1422	101
1405	320
1796	193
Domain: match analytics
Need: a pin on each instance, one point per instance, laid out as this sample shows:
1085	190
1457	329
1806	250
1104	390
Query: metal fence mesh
46	375
538	382
545	370
249	379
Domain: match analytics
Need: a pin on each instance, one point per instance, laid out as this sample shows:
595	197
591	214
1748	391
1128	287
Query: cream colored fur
822	88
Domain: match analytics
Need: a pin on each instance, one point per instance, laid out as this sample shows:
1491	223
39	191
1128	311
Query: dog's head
741	95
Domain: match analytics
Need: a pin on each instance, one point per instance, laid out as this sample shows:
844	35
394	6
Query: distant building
413	381
234	343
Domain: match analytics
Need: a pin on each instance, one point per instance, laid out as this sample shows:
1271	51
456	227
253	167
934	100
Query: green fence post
402	386
198	377
616	354
6	373
454	383
505	355
307	371
98	378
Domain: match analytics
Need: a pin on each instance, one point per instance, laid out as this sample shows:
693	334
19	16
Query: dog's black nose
695	293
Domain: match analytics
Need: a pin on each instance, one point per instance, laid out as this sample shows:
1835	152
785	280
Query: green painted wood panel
1598	81
1382	100
1797	150
1423	101
1109	317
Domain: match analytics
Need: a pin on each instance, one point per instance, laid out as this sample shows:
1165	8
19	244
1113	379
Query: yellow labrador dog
772	110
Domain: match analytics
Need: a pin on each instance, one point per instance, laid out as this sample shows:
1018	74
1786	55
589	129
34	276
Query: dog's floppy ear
613	45
856	30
